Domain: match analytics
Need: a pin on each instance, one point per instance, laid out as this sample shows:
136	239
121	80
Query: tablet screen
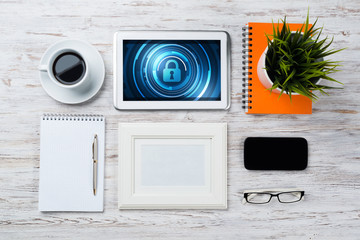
171	70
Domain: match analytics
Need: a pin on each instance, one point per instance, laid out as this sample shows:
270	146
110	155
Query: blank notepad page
66	165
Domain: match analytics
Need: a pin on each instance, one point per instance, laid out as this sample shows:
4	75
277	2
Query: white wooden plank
331	209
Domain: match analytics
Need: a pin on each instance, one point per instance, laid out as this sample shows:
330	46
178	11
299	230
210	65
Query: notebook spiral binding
247	69
72	117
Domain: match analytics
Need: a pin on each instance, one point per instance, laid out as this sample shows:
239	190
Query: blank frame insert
172	166
172	162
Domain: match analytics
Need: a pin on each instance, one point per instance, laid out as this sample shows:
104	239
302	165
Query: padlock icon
172	74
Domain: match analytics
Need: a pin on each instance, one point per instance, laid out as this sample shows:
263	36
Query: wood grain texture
331	209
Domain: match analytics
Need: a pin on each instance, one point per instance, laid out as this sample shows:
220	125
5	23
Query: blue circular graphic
171	70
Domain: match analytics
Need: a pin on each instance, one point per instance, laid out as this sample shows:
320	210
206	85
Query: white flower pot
264	77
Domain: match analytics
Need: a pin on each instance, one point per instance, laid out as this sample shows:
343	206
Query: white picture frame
193	177
121	36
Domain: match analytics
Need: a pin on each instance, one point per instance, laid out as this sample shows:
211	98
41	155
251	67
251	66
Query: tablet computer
171	70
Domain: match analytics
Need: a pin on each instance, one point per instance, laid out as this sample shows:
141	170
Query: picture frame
172	166
119	86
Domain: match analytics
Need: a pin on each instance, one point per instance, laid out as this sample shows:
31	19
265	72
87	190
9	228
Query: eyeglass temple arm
249	197
274	190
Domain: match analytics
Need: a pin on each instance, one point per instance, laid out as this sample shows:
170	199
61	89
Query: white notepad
66	166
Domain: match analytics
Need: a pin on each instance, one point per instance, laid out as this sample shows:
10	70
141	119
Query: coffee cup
67	68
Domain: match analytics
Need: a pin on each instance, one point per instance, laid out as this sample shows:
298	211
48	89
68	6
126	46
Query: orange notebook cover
259	99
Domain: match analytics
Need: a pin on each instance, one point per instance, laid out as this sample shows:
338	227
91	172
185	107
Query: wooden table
331	209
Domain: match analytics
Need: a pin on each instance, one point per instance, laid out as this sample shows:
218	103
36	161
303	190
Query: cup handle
42	68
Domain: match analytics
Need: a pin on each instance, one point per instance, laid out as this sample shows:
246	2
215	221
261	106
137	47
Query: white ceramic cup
48	67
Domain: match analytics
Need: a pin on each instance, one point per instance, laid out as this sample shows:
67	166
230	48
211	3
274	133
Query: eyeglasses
265	195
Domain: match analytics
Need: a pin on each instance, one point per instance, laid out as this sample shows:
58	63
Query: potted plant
293	62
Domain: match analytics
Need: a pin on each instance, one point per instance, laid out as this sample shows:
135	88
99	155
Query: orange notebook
257	98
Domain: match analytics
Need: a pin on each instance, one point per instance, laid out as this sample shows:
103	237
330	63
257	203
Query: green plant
295	60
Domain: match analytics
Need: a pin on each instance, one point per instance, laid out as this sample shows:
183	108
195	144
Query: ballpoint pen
95	162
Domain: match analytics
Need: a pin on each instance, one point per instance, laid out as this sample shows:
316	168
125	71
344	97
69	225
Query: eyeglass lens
258	197
288	197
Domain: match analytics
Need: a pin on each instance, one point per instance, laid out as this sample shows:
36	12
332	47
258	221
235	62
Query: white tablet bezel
224	38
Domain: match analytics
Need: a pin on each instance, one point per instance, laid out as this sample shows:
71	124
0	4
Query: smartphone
275	153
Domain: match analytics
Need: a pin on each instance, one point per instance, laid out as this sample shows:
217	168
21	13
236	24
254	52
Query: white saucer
96	68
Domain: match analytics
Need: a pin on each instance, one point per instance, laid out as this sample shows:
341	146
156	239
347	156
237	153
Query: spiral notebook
66	165
257	99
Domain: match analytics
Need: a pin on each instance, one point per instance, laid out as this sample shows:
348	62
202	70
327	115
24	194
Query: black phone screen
275	153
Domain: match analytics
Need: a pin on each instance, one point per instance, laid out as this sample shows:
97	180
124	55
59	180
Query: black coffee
69	68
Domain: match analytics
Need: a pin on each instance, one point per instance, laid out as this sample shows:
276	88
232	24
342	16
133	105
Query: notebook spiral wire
72	117
246	67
